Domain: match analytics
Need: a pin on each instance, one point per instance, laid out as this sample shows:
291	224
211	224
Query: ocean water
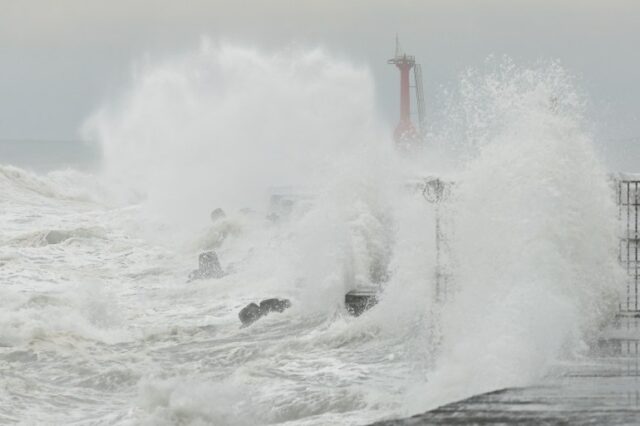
98	324
44	156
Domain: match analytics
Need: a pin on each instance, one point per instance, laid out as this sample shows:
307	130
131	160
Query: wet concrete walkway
604	390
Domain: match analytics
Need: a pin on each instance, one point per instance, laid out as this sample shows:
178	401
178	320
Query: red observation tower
406	132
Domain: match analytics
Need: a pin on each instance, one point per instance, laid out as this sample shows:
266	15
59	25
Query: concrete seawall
601	389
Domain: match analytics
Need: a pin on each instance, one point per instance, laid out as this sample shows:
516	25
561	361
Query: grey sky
60	58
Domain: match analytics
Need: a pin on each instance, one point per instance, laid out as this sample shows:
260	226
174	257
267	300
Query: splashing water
223	124
533	239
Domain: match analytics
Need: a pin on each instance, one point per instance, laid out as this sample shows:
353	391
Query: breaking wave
223	125
535	270
22	185
529	235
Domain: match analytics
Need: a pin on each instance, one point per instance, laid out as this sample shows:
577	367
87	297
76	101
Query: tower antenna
405	132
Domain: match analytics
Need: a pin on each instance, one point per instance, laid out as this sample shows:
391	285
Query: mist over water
531	233
223	124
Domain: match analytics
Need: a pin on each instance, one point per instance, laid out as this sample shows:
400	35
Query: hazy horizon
63	60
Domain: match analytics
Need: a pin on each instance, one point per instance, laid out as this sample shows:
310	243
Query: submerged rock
56	237
59	236
249	314
217	214
252	312
360	300
209	267
220	230
278	305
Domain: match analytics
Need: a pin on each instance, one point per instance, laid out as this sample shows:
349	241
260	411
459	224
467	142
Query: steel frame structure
628	188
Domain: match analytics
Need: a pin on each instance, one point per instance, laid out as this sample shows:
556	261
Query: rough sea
98	324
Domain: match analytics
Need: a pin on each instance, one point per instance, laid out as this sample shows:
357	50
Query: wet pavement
603	390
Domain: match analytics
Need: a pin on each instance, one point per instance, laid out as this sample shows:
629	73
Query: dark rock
217	214
209	267
358	301
59	236
209	264
56	237
278	305
250	314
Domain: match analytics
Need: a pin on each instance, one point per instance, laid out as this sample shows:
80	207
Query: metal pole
635	243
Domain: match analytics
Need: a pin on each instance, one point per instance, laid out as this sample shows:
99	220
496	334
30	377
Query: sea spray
223	124
535	245
228	126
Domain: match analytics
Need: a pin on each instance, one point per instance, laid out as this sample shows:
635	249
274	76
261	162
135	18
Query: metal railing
628	196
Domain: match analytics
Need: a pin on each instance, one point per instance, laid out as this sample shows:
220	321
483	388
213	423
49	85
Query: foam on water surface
101	326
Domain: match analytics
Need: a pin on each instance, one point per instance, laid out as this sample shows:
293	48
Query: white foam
536	270
220	126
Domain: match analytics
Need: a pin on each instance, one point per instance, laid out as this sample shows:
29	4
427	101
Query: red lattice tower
405	131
